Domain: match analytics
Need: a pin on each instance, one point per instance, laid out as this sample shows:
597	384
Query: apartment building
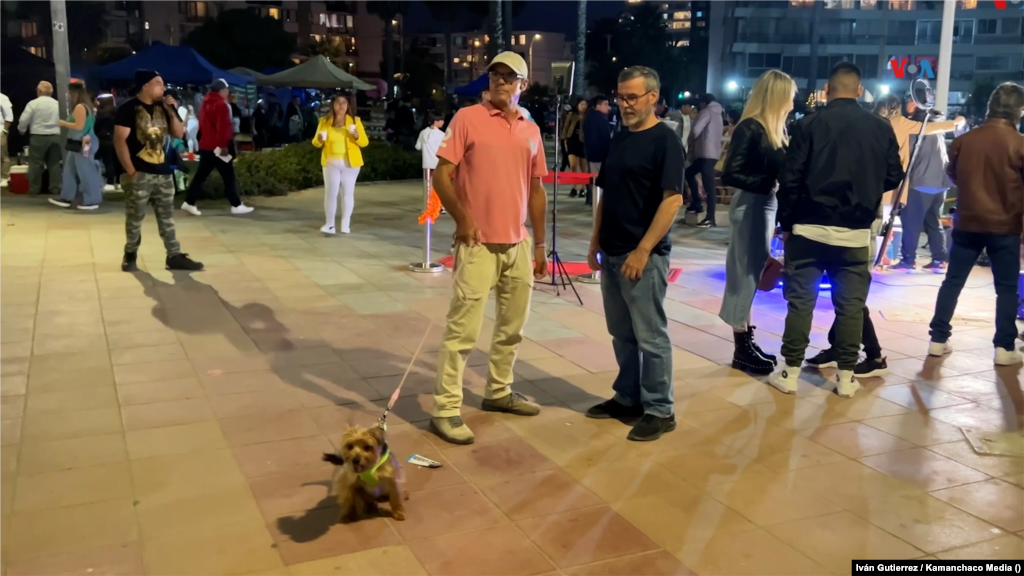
546	53
750	37
689	24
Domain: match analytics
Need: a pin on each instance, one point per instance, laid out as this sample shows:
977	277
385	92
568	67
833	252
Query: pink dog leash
394	396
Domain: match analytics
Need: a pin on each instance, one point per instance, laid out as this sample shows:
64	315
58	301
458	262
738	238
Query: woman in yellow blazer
341	136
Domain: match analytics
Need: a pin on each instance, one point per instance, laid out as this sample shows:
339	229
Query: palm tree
387	11
448	14
581	45
498	34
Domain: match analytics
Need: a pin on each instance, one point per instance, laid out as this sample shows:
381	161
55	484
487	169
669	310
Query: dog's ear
377	433
333	459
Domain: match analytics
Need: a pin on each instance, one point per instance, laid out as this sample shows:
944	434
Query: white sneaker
345	230
1006	357
88	206
59	202
186	207
327	229
109	188
785	378
846	385
939	348
241	209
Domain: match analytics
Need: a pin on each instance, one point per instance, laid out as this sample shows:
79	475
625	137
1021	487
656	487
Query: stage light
884	88
732	85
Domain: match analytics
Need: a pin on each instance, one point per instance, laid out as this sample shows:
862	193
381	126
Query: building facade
750	37
546	53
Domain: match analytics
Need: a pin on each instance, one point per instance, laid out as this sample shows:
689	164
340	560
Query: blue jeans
635	313
82	173
1004	253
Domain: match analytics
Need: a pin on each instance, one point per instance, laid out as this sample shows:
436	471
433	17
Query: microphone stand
557	266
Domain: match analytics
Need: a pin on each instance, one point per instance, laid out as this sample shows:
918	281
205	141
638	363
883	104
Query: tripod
557	266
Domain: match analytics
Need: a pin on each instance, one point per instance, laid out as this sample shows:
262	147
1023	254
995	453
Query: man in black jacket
928	186
840	161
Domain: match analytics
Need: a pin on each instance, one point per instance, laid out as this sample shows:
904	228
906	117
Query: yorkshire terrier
368	473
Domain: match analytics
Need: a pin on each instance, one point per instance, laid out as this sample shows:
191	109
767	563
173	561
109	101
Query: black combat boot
769	357
746	358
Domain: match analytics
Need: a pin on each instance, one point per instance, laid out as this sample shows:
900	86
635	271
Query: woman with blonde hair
341	136
756	154
81	172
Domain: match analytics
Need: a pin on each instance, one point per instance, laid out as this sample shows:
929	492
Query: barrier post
595	276
426	265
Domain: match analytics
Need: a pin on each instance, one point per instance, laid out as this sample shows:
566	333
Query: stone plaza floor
158	423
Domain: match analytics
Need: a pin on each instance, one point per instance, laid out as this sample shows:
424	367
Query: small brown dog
368	473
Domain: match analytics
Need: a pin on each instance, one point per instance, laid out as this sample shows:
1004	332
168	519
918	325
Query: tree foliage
423	79
641	38
977	103
243	38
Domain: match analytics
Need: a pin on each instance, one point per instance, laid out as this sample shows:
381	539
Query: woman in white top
192	130
430	140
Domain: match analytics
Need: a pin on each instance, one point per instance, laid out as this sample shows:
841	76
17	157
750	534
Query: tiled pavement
167	424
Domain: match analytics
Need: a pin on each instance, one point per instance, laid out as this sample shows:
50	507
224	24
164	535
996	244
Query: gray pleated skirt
752	218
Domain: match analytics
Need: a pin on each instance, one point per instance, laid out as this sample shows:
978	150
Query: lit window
901	4
664	16
700	14
348	21
28	29
274	13
455	60
967	4
868	4
522	39
682	15
681	43
801	3
147	25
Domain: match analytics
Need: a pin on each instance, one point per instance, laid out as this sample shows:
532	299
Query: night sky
543	15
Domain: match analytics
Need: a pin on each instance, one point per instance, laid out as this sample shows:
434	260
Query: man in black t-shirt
642	183
141	126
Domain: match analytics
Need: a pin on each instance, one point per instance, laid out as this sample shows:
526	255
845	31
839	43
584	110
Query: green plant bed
295	167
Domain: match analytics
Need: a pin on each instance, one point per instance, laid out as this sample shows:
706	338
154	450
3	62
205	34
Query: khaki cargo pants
508	270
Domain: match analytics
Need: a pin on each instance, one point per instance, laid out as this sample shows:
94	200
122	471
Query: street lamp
732	86
532	40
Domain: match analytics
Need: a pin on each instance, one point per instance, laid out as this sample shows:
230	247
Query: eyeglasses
508	77
630	99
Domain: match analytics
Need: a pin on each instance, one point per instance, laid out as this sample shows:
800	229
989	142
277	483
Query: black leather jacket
752	165
840	160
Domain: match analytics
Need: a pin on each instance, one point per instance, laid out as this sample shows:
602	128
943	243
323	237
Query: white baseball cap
513	61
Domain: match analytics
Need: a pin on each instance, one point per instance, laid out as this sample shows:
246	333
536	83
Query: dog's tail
333	459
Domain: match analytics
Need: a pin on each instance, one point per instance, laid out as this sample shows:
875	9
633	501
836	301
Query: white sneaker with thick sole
186	207
1006	357
939	348
785	378
109	188
846	385
327	229
241	209
88	206
59	202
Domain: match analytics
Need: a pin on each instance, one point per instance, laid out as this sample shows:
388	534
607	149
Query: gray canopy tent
317	72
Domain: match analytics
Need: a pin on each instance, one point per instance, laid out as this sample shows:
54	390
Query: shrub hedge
297	167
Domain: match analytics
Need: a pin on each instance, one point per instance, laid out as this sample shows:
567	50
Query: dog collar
369	477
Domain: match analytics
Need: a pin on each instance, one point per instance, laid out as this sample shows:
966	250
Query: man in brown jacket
987	166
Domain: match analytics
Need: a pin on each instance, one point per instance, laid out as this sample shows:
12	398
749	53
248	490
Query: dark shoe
770	357
745	358
183	262
903	266
651	427
514	403
573	193
611	409
128	262
935	266
694	209
871	368
706	223
824	359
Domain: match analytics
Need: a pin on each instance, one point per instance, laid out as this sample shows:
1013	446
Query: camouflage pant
155	189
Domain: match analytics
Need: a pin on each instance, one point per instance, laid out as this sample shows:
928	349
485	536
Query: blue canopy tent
474	88
176	64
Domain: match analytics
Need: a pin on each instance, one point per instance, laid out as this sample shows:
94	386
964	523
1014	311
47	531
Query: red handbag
772	273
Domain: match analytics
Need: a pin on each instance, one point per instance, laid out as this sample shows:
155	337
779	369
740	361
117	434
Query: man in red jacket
216	141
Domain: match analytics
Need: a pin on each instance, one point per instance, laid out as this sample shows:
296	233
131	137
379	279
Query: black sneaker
824	359
871	368
573	193
128	262
651	428
903	266
706	223
183	262
694	209
613	409
935	266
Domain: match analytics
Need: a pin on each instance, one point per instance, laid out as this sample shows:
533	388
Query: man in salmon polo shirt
497	156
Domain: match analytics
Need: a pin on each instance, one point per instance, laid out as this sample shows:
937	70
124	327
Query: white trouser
339	176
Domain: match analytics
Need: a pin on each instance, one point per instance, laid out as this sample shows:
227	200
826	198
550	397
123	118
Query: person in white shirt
46	145
6	118
430	140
